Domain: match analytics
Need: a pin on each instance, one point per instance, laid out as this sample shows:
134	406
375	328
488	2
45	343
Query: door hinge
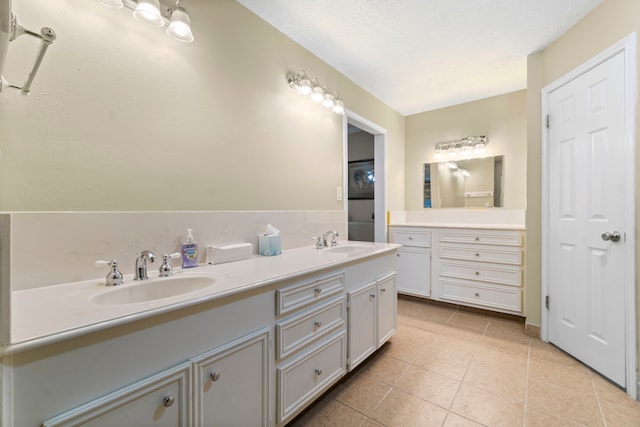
547	121
546	302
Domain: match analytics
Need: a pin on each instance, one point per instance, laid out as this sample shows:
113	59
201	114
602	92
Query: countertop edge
461	225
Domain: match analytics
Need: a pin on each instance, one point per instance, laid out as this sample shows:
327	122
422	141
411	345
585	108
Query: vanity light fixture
463	148
155	14
318	93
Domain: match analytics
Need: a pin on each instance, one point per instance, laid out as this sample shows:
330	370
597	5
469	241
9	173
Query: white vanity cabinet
481	268
311	341
414	260
159	401
231	383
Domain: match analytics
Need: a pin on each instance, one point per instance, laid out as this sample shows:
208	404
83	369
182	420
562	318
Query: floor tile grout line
526	386
595	392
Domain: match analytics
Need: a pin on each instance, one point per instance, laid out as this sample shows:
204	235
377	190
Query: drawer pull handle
477	294
383	289
477	254
398	255
477	239
317	323
317	291
372	295
410	238
318	371
214	375
477	273
168	401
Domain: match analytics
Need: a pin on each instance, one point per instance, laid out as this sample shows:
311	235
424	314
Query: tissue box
230	253
269	245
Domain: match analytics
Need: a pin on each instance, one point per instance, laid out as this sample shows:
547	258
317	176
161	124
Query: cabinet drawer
301	330
161	400
498	254
488	296
306	377
503	238
300	295
476	271
411	236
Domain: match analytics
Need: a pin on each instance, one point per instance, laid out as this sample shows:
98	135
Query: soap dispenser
189	251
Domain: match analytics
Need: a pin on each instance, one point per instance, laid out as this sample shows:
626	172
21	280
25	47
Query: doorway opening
364	179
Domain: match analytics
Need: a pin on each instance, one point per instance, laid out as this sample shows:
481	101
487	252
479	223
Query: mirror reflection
466	183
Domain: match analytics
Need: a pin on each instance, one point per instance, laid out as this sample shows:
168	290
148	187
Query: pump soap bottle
189	251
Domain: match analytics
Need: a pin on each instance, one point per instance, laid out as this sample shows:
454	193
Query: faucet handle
114	277
166	269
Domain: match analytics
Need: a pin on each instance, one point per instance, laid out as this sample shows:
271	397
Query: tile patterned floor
446	367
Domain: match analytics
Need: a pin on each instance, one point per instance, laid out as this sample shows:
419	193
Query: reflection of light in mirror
452	165
464	172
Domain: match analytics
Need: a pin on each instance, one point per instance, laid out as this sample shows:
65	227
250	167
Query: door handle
614	236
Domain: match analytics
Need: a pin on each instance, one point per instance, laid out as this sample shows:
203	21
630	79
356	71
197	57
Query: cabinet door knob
398	255
477	254
168	401
318	371
214	375
477	294
477	273
372	295
410	238
477	239
317	323
317	291
383	289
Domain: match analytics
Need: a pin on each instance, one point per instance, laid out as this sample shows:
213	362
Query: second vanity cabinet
479	267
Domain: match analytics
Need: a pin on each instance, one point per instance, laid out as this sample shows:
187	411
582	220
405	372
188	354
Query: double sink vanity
248	343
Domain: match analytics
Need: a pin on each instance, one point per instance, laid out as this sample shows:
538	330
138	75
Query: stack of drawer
482	268
414	260
311	346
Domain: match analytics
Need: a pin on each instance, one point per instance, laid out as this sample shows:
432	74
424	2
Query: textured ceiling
419	55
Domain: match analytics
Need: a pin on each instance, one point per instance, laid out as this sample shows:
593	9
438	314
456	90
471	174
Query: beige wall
605	25
501	118
121	117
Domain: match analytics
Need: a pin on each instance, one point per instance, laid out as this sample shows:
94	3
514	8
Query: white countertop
459	225
53	313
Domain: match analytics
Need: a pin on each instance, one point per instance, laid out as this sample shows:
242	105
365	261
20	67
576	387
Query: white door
587	262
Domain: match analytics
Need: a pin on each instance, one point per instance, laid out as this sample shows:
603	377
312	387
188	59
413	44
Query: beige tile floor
446	367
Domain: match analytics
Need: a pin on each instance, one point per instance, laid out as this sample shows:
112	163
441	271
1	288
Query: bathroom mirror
466	183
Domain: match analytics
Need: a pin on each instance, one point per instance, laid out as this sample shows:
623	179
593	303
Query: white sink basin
153	289
348	249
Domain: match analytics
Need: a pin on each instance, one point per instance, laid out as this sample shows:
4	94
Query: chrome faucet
333	241
141	264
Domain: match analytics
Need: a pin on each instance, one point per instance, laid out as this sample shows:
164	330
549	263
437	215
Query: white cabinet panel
298	331
307	376
387	308
306	293
231	383
161	400
363	334
414	271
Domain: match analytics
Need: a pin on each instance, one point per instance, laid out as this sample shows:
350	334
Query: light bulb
180	26
338	105
327	102
148	12
304	84
317	94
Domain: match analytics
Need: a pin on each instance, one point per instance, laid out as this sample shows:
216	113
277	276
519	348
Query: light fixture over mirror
318	93
155	14
465	148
